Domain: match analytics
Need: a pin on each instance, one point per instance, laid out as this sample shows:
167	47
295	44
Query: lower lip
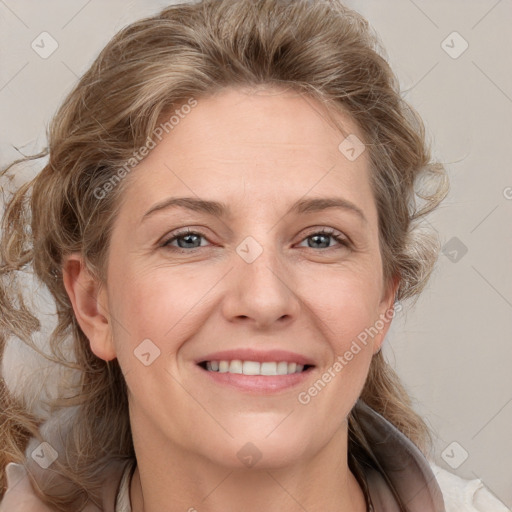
258	383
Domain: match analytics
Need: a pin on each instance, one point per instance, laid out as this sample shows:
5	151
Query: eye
186	239
321	239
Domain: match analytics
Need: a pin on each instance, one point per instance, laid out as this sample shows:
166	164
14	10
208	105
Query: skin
258	151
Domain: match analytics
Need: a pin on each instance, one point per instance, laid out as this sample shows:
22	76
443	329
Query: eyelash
325	231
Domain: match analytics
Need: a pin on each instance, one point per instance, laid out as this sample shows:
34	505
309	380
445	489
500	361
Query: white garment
462	495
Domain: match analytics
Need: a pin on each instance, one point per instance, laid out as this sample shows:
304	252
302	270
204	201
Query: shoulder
20	495
462	495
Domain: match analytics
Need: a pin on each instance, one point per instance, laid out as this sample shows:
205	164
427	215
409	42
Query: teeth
282	368
235	366
251	368
254	367
268	369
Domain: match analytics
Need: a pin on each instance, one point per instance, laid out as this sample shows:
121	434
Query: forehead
280	120
274	145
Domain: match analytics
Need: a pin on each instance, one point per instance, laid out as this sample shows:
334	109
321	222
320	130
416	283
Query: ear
90	304
386	312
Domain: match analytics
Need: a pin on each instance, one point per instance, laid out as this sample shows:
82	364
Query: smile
257	371
268	368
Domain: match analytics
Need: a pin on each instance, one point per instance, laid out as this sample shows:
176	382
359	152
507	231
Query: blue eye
322	238
188	240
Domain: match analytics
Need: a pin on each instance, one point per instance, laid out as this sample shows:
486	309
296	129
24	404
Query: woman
227	222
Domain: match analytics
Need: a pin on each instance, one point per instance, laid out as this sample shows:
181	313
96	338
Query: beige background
454	350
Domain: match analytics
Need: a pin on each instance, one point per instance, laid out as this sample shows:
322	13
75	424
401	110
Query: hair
147	70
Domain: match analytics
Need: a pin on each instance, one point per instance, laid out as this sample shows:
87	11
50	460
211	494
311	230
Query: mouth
266	368
256	372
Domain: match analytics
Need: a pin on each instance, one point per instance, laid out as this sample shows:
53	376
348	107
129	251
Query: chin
258	450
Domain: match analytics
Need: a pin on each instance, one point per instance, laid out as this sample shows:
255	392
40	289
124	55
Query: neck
176	480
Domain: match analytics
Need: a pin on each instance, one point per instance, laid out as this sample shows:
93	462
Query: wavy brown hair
150	68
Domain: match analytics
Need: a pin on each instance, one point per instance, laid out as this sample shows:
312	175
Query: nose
262	291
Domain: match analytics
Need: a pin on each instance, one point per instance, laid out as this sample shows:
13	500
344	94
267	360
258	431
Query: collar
400	469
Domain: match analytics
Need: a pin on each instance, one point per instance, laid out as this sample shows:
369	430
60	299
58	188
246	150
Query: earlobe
386	314
389	296
90	306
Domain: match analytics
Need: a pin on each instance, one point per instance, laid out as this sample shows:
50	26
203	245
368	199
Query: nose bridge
261	262
261	287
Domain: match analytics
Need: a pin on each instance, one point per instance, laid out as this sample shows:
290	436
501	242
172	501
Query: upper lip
247	354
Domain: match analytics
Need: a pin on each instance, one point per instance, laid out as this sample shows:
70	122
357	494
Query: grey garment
404	471
400	469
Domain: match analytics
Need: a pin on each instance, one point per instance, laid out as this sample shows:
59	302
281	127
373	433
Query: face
268	274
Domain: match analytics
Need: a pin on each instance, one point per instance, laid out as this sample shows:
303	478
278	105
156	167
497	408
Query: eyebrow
218	209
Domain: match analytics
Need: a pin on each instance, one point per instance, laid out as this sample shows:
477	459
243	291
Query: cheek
345	303
159	304
346	314
346	311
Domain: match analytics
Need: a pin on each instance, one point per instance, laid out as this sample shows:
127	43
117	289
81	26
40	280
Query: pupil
187	240
325	237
